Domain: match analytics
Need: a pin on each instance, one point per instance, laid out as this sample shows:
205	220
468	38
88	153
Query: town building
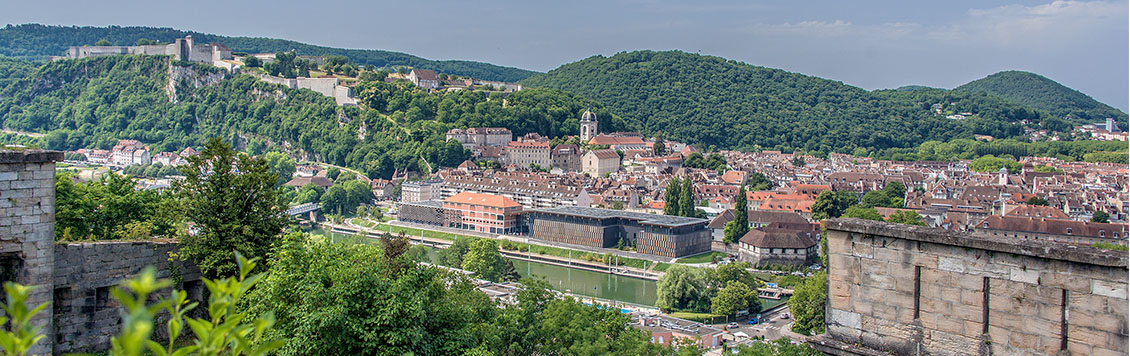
662	235
484	213
481	136
130	152
780	244
597	163
529	193
523	154
668	331
1059	230
424	78
419	191
319	181
567	157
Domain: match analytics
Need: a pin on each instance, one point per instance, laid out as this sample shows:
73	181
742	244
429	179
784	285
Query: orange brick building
487	213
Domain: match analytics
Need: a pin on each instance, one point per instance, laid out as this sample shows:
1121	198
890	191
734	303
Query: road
772	327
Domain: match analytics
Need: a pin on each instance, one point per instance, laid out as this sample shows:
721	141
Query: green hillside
94	102
35	41
723	103
1039	92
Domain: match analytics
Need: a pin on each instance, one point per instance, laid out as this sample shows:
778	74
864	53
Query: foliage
112	208
684	288
346	197
35	41
19	335
1037	201
758	182
1100	217
712	101
714	162
779	347
908	217
452	256
830	204
1047	169
1045	94
226	331
671	196
862	212
991	164
280	164
234	203
484	259
155	170
741	218
686	199
807	303
970	149
733	297
1111	246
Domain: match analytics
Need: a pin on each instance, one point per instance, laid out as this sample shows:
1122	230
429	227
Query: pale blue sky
871	44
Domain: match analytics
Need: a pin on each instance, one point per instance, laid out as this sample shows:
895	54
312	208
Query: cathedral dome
588	116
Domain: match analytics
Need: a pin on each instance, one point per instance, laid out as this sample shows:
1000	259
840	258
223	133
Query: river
588	283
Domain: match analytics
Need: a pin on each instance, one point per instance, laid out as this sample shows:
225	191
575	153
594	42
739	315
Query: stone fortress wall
914	290
75	278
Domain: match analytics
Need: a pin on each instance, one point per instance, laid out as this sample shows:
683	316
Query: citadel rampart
914	290
76	278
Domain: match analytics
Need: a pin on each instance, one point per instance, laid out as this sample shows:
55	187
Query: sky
870	44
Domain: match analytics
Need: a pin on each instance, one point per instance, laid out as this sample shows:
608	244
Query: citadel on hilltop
182	49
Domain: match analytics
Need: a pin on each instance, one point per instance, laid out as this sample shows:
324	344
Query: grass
702	257
662	267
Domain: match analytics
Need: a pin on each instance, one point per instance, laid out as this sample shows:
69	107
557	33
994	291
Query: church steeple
589	127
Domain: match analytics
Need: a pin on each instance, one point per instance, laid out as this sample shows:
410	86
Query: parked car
784	315
732	326
753	321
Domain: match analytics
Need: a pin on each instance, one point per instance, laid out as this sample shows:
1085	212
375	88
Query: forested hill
35	41
1043	93
94	102
728	104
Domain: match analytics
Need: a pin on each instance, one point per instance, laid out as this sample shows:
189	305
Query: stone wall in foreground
914	290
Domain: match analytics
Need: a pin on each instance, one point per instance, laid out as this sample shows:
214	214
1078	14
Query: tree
779	347
876	198
103	42
807	303
683	288
671	196
452	256
281	164
908	217
741	218
758	182
733	297
484	259
896	192
798	161
686	199
1100	217
832	204
1037	201
232	199
861	212
332	173
252	61
659	149
335	200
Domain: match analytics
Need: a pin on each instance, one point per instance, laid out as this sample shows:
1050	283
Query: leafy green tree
807	303
683	288
876	198
686	199
861	212
895	190
113	208
991	164
252	61
1037	201
671	196
335	200
280	164
342	299
832	204
309	193
332	173
484	259
103	42
908	217
741	217
779	347
232	199
452	256
1100	217
659	148
758	182
733	297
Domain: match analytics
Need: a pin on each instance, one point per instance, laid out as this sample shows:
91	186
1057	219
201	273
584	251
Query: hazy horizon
883	44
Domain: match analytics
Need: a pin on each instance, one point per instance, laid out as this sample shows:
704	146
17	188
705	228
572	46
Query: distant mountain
712	101
35	41
1039	92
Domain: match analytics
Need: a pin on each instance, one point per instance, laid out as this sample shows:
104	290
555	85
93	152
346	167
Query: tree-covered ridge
36	41
1040	92
728	104
94	102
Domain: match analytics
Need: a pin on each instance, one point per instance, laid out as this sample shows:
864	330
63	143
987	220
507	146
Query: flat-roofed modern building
662	235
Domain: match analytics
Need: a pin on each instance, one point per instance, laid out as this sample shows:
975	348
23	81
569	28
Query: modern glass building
662	235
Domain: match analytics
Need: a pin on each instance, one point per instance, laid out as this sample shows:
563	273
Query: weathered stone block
845	318
1109	289
951	264
1024	276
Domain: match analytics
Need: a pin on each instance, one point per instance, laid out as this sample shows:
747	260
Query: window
1069	231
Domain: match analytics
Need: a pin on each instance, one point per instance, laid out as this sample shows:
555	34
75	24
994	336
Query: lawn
703	257
662	267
